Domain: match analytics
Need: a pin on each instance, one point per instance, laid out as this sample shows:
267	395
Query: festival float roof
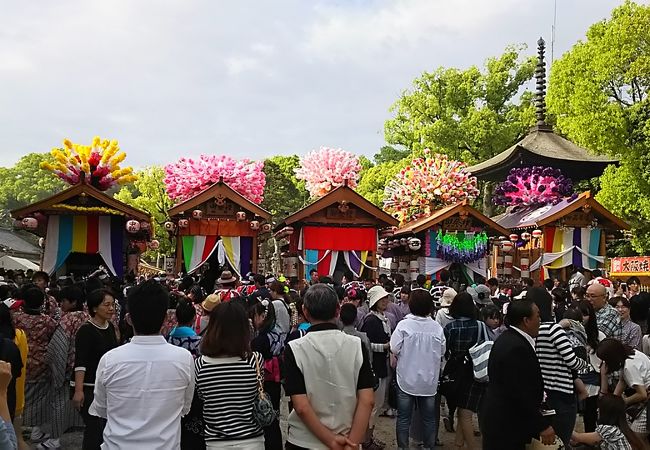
80	195
536	217
542	146
371	214
439	216
219	190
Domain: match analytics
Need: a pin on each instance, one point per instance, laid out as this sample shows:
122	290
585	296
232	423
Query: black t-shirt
639	306
10	353
91	343
295	381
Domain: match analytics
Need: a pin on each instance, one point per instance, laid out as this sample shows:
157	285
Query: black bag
452	375
192	426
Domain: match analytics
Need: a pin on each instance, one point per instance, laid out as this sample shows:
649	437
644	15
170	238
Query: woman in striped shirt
227	380
558	363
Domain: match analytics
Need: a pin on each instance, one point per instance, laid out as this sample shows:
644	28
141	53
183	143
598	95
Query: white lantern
154	244
414	244
132	226
169	226
507	265
183	223
514	237
525	236
197	214
144	225
255	225
502	238
30	223
241	216
537	234
403	241
266	228
507	246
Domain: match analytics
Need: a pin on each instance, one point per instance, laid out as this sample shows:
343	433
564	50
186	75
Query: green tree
374	180
26	183
598	94
148	193
283	193
469	114
389	153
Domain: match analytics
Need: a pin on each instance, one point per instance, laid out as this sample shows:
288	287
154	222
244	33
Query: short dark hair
389	285
623	300
147	305
421	279
544	302
185	312
41	274
493	282
96	298
490	311
614	353
259	279
313	271
228	332
579	291
463	306
33	297
518	311
269	314
398	278
597	273
634	280
444	275
548	284
528	282
420	302
348	313
73	294
321	302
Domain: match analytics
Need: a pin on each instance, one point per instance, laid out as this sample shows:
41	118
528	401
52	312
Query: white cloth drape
549	258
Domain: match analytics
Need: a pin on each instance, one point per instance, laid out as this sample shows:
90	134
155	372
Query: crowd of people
170	363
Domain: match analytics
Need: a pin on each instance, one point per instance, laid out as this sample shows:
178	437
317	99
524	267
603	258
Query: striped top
228	388
556	358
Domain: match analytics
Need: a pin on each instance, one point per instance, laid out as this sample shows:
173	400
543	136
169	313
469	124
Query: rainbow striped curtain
237	250
85	234
561	239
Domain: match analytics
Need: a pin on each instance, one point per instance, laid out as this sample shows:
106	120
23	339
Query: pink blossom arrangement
328	168
533	186
189	176
97	164
427	184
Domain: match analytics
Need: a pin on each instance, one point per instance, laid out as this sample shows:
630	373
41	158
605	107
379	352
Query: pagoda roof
440	215
220	188
535	217
55	203
341	193
543	147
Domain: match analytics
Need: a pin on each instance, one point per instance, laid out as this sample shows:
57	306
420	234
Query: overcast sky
246	78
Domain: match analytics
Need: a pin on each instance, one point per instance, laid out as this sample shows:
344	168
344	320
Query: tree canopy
598	94
284	193
471	114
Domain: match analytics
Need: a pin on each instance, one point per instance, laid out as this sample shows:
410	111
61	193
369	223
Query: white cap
375	294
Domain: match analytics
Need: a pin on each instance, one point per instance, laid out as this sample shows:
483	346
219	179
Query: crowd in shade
172	363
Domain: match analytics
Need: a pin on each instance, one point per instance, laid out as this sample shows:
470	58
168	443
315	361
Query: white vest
330	361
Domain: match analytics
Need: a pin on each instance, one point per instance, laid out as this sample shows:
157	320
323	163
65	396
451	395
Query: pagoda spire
540	90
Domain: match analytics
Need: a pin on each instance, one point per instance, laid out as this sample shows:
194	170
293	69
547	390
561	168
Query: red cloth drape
339	238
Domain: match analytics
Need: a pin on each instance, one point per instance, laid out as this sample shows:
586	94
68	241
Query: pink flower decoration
429	183
188	176
328	168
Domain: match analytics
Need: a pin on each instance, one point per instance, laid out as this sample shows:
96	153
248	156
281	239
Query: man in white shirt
144	387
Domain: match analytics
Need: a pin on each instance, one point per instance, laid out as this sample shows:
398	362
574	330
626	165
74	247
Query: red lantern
197	214
525	236
266	228
537	234
506	246
132	226
183	223
514	237
241	216
169	226
154	244
144	225
30	223
255	225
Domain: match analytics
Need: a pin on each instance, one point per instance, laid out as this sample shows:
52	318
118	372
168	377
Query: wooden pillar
254	255
179	254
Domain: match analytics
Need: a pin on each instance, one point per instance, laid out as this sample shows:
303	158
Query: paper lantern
525	236
499	265
197	214
514	237
144	225
395	242
502	238
506	246
41	242
403	241
414	244
241	216
414	270
255	225
537	234
169	226
183	223
154	244
507	265
266	228
132	226
524	266
289	230
30	223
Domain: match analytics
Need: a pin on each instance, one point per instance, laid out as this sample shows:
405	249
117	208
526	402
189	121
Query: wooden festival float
218	226
455	237
335	233
82	228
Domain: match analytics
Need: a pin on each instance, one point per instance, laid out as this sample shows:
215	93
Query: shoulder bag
480	354
263	411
